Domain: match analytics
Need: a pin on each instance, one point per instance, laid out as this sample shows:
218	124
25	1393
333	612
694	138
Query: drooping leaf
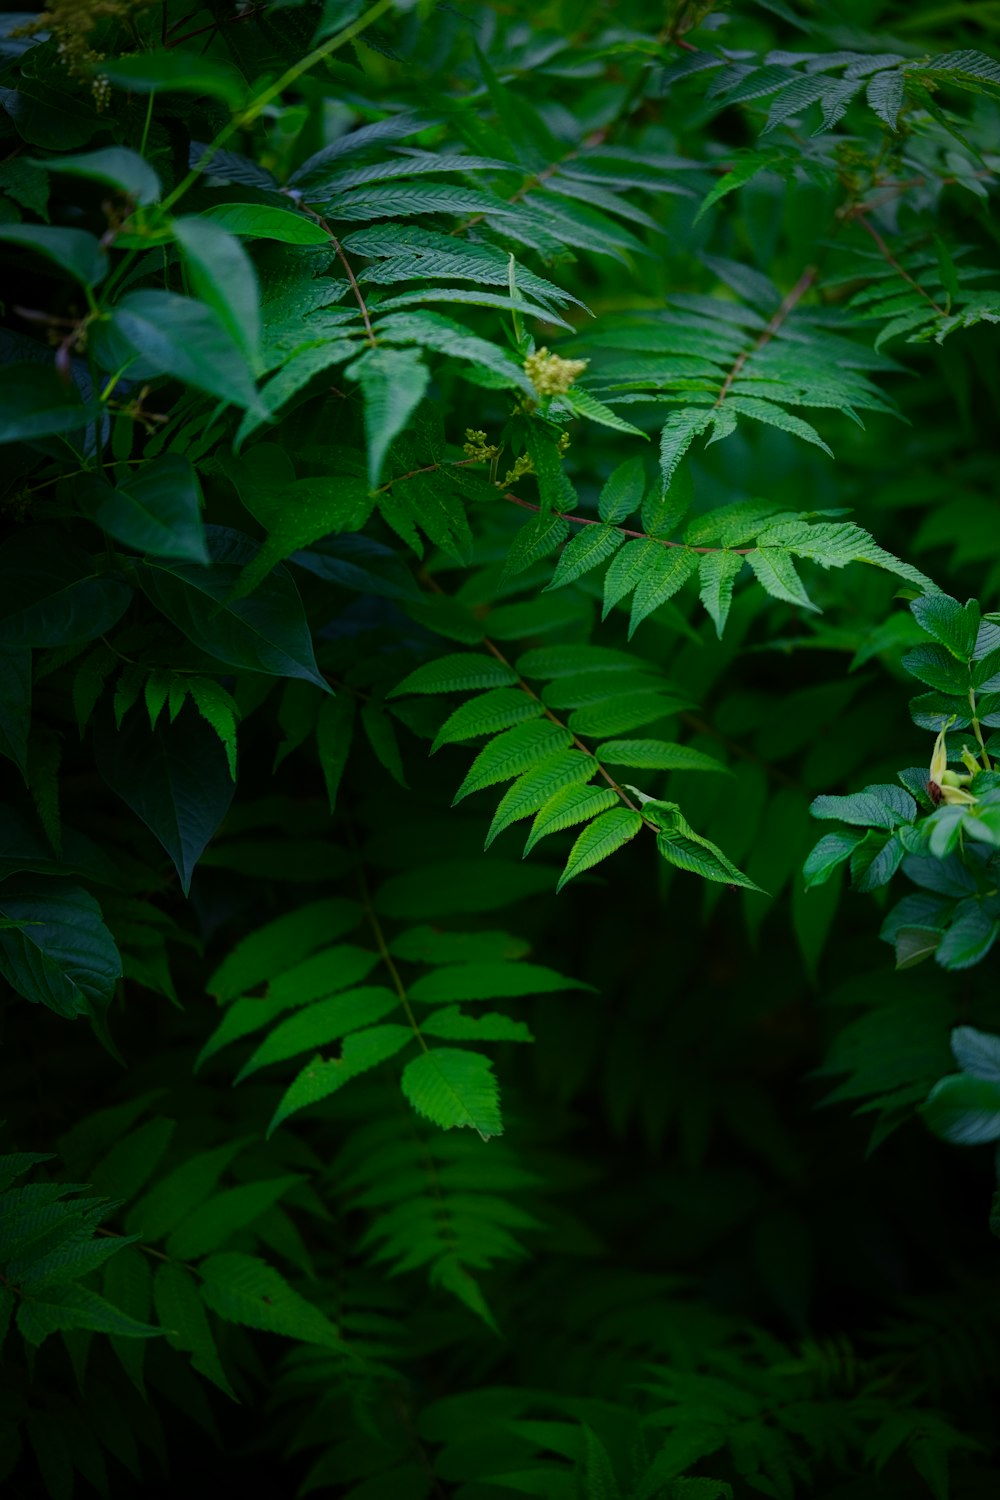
454	1088
175	778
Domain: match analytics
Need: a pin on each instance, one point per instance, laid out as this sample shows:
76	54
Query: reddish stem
641	535
790	301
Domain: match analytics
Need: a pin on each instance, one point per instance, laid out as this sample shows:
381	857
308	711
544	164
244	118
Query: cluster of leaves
941	827
315	304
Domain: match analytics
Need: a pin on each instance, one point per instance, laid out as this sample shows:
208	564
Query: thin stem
578	744
358	297
789	302
148	122
458	463
891	260
382	945
291	75
625	531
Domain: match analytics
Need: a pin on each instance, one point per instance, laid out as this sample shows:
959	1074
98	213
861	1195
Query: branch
788	303
891	260
358	297
642	536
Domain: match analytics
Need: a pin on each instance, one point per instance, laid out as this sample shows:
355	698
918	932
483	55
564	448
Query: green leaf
622	493
244	1289
881	806
748	165
540	536
453	1026
776	573
973	932
964	1109
57	951
175	778
154	333
15	705
489	981
297	514
72	250
265	633
623	712
132	1160
938	668
174	72
276	946
462	672
393	382
573	804
512	752
320	1078
35	402
679	432
565	661
718	571
222	275
948	622
564	768
182	1314
665	572
453	1088
265	222
224	1214
51	593
157	509
601	838
832	851
487	714
116	166
586	550
657	755
976	1052
681	846
320	1023
69	1305
175	1195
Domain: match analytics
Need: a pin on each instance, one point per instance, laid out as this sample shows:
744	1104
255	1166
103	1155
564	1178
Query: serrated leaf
320	1078
489	981
393	382
182	1315
664	574
601	838
452	1025
512	752
657	755
537	785
574	804
453	1089
462	672
488	714
775	572
682	847
244	1289
622	493
717	573
320	1023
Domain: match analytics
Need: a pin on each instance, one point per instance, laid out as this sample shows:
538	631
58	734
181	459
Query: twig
790	301
641	535
891	260
358	297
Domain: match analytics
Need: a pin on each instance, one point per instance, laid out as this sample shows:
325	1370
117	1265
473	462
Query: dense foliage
433	432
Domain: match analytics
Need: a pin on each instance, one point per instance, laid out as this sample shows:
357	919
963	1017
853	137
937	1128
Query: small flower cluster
477	448
550	374
71	23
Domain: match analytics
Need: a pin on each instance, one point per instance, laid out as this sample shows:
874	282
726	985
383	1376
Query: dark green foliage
478	483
